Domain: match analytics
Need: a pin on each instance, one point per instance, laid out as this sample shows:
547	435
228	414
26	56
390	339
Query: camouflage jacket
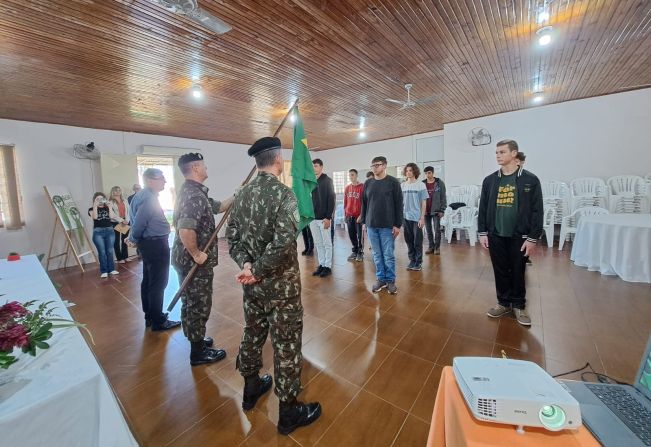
262	228
194	211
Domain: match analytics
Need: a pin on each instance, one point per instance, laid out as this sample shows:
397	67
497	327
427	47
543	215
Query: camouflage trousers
196	303
269	310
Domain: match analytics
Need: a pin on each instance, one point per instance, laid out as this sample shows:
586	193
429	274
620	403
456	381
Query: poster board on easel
68	217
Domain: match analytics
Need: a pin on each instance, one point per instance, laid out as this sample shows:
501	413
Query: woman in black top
103	234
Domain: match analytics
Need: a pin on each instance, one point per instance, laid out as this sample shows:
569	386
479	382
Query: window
10	201
339	179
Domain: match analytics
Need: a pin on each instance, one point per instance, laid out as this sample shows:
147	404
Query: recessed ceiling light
292	117
362	122
544	35
538	99
362	134
196	91
543	17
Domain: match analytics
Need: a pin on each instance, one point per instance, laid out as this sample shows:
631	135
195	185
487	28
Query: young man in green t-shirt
510	223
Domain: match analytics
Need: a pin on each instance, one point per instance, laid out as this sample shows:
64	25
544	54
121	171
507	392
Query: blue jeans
104	238
382	243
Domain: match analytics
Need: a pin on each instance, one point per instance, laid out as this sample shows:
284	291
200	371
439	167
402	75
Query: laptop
617	415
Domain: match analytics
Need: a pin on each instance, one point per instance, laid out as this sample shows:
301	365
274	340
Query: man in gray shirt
150	231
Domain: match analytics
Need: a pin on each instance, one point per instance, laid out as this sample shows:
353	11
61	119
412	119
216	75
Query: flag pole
212	239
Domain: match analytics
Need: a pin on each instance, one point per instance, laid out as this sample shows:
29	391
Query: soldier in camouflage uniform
262	233
194	221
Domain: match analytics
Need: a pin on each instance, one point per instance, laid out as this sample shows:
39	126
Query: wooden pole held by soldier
212	239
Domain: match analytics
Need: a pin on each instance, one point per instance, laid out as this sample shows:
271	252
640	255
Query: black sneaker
417	267
379	285
165	325
298	414
318	271
327	271
360	257
304	252
254	388
352	257
391	288
411	265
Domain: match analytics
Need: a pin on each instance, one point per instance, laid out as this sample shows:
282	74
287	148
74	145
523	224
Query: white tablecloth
60	397
615	244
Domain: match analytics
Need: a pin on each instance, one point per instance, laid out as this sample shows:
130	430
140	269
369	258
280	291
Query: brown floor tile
266	435
409	307
500	350
527	339
359	424
333	394
358	319
413	433
402	393
442	313
424	405
323	349
425	341
464	346
360	360
389	329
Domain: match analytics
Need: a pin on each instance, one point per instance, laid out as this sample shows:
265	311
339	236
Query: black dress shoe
254	389
297	415
208	342
208	355
148	321
318	271
309	252
165	325
304	252
327	271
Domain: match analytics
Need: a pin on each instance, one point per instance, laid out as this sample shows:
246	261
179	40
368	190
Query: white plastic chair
557	195
628	194
571	223
548	225
464	218
471	191
588	191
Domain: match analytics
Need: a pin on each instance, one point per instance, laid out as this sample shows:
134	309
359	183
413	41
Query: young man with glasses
382	215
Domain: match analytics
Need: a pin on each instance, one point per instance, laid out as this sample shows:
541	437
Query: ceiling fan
191	10
412	103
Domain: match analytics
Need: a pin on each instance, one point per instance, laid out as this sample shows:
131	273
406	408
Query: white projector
515	392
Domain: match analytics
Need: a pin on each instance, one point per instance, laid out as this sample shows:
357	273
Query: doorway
166	197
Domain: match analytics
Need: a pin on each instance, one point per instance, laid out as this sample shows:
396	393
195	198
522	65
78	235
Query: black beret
264	144
189	158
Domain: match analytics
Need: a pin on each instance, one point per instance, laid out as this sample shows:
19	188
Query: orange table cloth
454	426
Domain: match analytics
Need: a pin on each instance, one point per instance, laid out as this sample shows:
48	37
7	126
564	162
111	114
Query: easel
69	245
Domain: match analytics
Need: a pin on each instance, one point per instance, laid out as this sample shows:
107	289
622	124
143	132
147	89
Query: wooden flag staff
212	239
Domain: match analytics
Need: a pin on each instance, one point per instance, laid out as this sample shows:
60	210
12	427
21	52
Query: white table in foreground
615	244
60	397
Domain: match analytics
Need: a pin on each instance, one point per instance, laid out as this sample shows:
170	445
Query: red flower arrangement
27	330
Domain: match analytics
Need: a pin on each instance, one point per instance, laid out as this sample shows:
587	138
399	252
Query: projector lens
552	417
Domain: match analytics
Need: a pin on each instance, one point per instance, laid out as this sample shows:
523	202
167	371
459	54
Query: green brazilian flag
303	177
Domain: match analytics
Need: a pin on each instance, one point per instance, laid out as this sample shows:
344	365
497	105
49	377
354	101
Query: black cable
602	378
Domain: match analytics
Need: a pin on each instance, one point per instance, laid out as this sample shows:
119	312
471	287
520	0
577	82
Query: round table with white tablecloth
615	244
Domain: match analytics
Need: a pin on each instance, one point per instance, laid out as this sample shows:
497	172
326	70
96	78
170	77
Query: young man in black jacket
510	223
323	199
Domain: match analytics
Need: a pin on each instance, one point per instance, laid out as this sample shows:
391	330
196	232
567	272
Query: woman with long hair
103	236
120	209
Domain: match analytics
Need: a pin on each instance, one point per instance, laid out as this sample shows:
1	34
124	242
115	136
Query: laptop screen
643	380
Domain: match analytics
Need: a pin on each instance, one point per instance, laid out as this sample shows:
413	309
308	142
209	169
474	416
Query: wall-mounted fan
479	136
191	10
86	151
409	103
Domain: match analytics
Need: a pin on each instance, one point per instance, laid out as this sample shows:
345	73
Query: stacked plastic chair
464	218
548	224
588	191
628	194
571	223
556	195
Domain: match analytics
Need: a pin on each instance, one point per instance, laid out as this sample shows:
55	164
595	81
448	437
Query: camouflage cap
189	158
263	145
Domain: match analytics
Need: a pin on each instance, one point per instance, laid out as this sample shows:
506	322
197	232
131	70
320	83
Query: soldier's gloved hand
200	257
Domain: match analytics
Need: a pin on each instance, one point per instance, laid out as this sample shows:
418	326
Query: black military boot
296	414
254	388
200	354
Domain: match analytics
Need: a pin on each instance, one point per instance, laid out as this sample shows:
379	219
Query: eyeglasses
377	165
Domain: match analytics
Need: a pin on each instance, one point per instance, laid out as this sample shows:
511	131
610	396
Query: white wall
595	137
398	151
44	158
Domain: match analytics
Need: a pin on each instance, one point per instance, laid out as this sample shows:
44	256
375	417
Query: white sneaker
104	275
115	272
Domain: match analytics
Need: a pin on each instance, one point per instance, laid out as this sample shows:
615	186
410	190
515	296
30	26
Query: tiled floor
373	361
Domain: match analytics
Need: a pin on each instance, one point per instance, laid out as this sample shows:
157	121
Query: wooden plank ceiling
128	64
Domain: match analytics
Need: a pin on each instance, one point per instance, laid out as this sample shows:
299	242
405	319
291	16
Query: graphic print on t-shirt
506	196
